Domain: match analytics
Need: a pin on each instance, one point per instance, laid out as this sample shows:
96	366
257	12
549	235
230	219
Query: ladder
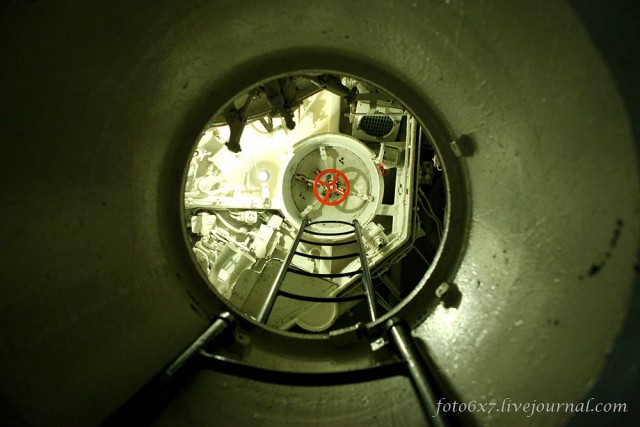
275	291
148	402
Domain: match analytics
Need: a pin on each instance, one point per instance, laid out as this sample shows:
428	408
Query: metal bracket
276	95
237	119
463	146
334	85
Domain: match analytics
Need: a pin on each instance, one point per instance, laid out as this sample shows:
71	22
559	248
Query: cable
431	215
421	256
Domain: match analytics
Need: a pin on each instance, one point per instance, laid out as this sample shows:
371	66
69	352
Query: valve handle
331	186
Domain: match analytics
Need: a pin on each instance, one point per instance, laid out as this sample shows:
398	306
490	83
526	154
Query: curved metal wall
100	106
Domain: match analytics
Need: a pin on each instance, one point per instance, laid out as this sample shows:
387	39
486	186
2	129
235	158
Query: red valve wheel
331	186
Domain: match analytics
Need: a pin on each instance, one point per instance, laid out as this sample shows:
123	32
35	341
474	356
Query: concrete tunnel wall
101	102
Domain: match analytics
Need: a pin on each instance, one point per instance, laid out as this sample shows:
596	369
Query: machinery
350	157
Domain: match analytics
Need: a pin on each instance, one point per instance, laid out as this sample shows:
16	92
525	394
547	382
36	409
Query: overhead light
263	176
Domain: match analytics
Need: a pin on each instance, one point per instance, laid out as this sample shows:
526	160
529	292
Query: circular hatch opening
321	151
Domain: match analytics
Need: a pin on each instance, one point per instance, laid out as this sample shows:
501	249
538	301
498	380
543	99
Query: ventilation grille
377	126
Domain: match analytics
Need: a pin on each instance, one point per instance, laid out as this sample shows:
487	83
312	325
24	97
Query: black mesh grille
376	125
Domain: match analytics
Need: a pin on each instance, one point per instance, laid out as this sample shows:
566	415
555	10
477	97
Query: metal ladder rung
274	291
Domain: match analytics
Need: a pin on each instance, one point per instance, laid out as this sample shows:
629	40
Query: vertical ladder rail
143	407
266	308
366	273
400	334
